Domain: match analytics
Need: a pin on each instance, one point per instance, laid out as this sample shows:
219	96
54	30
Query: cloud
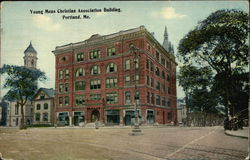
168	13
99	14
45	23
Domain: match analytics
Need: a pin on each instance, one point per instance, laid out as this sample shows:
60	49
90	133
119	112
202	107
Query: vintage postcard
124	80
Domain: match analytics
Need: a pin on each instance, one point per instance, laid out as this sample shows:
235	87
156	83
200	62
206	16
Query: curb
228	134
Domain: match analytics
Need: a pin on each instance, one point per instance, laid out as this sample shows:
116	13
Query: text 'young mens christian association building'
104	78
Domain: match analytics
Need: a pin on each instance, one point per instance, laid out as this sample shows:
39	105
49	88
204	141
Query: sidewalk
239	133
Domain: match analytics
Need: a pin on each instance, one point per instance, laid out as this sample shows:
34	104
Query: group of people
233	123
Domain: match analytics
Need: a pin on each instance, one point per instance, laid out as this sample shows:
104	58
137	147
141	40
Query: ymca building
107	78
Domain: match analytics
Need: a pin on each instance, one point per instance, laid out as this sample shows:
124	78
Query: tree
220	41
196	83
22	84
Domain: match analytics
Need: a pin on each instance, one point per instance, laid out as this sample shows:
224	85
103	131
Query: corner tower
30	57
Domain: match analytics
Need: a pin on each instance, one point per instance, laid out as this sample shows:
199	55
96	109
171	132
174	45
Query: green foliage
220	42
196	83
21	82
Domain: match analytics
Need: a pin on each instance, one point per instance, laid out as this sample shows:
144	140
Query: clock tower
30	57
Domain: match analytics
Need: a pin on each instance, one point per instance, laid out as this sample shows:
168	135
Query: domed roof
30	49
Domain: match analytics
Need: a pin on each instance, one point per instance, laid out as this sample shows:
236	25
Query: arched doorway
95	115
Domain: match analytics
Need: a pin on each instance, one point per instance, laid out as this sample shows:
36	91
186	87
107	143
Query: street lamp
136	129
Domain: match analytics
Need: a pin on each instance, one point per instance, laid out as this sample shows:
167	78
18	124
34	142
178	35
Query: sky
20	25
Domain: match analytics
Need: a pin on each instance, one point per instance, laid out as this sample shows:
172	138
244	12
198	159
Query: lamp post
136	129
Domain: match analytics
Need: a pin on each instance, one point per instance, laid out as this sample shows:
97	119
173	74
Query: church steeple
166	43
30	57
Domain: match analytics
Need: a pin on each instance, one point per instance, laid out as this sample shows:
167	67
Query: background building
95	79
43	102
181	111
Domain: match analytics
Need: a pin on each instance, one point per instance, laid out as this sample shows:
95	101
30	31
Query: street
171	143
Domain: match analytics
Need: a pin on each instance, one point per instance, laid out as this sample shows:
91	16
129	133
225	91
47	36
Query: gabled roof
30	49
49	91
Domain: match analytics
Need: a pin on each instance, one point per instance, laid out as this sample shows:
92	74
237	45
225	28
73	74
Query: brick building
95	79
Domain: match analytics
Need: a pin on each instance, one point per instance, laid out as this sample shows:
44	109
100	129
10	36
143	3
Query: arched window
95	70
45	106
32	62
111	68
80	72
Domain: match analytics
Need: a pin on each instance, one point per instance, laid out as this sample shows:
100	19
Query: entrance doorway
95	115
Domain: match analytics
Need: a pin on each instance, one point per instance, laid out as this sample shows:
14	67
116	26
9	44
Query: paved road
169	143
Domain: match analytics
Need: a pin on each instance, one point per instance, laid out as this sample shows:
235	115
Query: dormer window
42	96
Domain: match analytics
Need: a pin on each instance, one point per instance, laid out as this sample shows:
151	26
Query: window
168	90
111	68
168	77
95	54
158	85
60	74
148	97
111	51
152	98
157	56
127	80
95	96
111	98
147	63
45	106
111	82
79	85
45	117
162	74
163	87
95	70
147	79
60	101
163	101
158	100
168	102
79	72
66	88
37	117
95	84
157	71
16	109
66	73
136	79
79	100
42	96
136	62
79	57
60	88
163	61
152	82
127	64
151	66
137	96
66	100
169	116
127	97
38	106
